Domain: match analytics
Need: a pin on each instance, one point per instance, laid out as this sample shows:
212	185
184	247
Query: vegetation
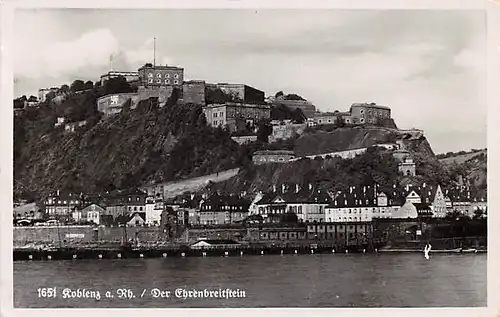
455	154
218	96
282	112
147	144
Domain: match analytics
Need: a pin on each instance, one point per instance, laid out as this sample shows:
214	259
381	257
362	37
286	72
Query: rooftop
165	67
274	152
370	105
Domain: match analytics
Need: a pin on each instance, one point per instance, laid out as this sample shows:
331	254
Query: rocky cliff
147	144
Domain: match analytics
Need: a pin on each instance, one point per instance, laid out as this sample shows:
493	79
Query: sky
428	66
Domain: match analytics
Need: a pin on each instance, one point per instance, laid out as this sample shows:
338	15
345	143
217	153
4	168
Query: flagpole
154	52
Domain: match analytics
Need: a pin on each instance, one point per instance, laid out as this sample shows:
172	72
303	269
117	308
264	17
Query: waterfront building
466	200
431	195
27	211
62	203
215	244
136	219
361	204
153	215
343	233
307	203
124	202
223	209
91	213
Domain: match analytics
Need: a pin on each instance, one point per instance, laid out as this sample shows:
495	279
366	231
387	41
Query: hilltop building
370	113
235	116
131	77
358	114
159	75
42	93
242	93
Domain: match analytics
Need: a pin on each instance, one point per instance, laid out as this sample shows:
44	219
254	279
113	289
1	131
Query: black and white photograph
249	158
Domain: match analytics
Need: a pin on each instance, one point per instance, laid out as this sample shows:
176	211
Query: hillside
319	141
337	174
163	145
471	166
316	142
148	144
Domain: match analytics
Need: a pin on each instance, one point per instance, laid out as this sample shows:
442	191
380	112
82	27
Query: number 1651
47	292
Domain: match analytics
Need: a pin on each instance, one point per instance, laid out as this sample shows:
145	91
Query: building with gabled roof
361	204
431	195
308	203
223	209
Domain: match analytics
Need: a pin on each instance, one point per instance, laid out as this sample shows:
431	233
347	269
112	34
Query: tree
116	86
64	89
77	85
340	122
18	104
264	129
279	94
294	97
32	99
89	85
51	95
478	214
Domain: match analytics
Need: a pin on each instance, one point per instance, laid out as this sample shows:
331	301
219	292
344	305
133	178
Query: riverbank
27	254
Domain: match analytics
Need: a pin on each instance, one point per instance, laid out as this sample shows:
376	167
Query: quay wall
53	234
84	234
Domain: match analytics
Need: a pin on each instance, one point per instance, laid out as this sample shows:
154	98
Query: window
158	75
158	81
150	75
176	82
176	75
167	81
362	111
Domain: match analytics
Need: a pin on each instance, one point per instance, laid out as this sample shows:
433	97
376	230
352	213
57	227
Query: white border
6	90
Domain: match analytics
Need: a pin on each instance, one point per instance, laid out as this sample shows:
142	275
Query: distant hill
471	166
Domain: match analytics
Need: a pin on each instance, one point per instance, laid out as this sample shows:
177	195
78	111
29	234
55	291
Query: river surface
326	280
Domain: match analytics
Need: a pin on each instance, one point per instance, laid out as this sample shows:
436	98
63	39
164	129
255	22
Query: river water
326	280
